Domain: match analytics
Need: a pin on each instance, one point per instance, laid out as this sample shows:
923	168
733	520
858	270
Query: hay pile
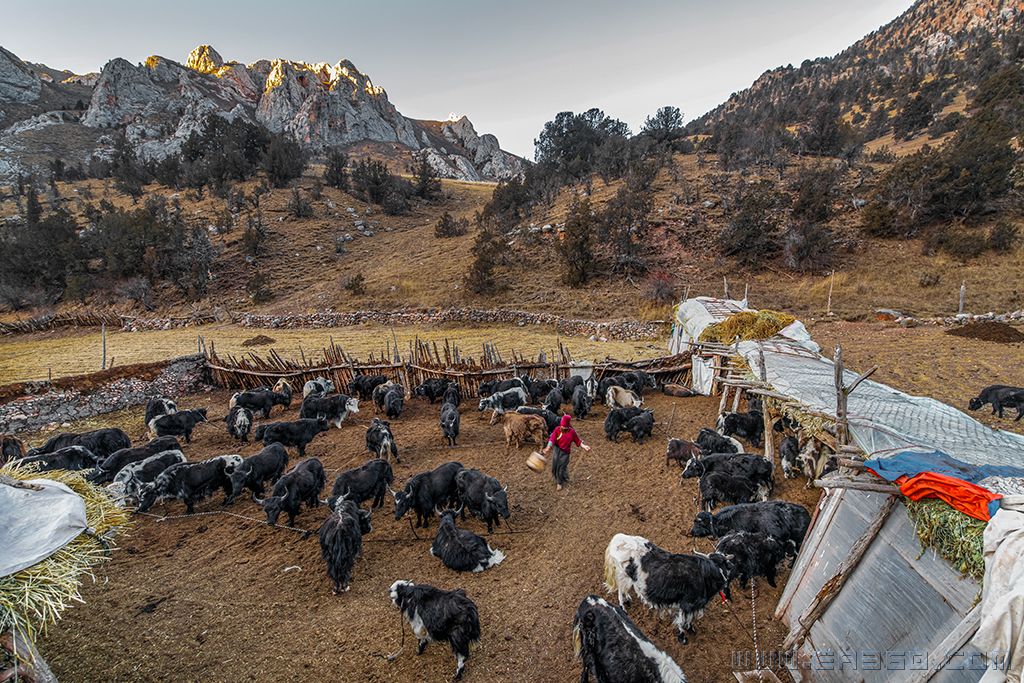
748	326
956	536
35	597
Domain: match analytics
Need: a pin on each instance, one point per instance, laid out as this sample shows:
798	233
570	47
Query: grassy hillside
404	264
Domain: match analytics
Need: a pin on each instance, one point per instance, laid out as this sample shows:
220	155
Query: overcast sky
509	65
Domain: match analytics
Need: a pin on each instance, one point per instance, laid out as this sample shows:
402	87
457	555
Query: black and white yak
263	400
157	406
181	423
258	470
318	386
677	584
460	549
341	541
369	481
510	399
498	385
191	482
748	426
130	482
484	497
613	650
436	615
711	441
334	408
297	434
380	441
427	491
239	421
302	484
118	460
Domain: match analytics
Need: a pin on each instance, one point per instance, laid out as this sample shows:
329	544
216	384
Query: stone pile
181	376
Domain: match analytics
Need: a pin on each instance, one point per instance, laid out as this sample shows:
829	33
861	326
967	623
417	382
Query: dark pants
560	465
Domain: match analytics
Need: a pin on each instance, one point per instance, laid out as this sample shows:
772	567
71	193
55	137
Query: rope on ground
308	532
753	613
394	655
163	518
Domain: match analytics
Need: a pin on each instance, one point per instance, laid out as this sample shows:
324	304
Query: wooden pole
856	485
834	585
963	297
103	335
837	360
831	282
725	286
746	290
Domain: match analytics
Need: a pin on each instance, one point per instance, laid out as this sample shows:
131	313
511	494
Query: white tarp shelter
882	419
36	524
693	316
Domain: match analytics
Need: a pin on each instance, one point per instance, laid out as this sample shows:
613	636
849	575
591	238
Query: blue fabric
993	507
912	463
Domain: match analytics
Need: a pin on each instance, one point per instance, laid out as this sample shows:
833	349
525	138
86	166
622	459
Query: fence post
103	336
831	283
725	287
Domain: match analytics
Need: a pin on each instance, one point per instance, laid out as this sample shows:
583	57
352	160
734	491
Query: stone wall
621	330
178	377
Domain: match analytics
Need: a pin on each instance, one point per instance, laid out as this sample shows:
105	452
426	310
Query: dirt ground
929	362
218	598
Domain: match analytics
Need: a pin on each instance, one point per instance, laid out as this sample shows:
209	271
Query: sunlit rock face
18	83
160	102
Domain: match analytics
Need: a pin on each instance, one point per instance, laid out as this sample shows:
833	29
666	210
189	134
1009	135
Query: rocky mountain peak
18	83
204	59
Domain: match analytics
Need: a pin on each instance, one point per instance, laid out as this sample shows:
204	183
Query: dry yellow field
32	357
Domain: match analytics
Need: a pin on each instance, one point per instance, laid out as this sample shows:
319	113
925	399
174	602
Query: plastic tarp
703	372
1002	598
36	524
693	316
883	420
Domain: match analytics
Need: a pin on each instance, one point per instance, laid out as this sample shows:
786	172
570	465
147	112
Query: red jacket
565	438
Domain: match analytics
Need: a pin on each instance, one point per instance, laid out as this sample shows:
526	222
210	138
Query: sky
508	65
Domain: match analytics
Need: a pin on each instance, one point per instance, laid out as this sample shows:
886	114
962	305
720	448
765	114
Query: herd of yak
755	534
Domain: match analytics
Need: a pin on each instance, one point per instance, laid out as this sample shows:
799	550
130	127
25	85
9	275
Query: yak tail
496	557
611	583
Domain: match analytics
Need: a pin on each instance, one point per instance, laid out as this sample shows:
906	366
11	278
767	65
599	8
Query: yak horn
505	489
258	501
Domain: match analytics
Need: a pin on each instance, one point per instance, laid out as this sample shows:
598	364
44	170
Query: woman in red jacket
562	440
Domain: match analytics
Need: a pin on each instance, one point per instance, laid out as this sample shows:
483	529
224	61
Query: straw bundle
956	536
747	325
35	597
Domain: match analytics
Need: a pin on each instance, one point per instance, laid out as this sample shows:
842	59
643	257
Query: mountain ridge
160	102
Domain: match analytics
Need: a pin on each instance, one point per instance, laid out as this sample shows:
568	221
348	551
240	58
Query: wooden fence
423	360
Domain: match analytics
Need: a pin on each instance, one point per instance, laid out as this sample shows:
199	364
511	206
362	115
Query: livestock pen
865	601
